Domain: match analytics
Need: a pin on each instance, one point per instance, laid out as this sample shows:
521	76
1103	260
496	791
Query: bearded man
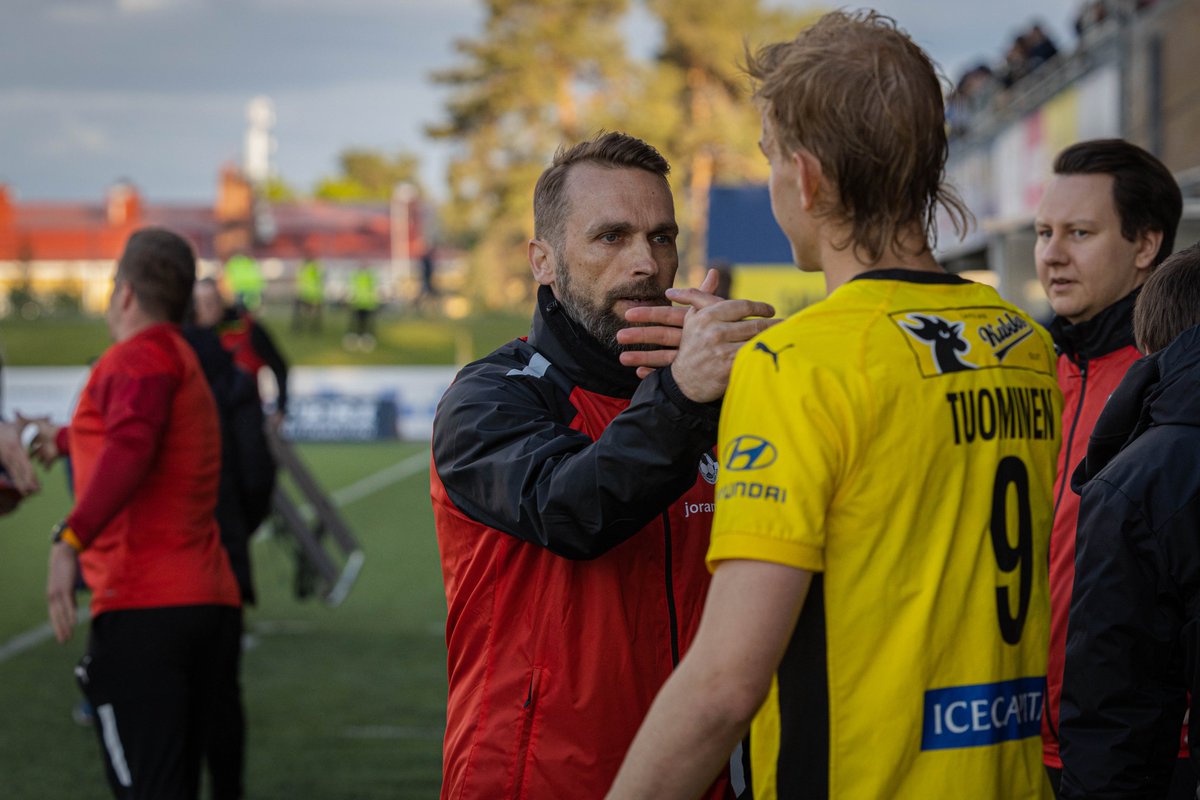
572	489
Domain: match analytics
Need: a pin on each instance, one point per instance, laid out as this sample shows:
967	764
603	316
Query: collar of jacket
1161	389
580	357
1105	333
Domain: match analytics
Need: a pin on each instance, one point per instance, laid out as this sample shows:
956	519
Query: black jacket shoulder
509	457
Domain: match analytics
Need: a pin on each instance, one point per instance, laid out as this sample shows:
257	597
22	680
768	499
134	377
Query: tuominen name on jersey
1010	412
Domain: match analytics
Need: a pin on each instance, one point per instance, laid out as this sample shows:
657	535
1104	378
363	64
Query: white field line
381	480
35	636
342	497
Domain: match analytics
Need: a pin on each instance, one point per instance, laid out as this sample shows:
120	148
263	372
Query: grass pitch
342	703
403	337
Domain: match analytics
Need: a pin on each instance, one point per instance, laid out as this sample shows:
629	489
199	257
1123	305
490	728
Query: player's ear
541	261
1148	242
809	177
125	295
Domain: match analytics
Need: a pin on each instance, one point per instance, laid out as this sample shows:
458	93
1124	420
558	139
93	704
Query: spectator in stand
245	338
1090	15
1016	62
1133	638
145	448
1041	46
974	91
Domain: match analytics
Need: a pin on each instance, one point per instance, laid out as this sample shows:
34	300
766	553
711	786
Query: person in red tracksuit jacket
1106	220
572	498
145	447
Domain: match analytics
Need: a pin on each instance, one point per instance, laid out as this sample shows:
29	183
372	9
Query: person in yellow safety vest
245	281
364	301
310	294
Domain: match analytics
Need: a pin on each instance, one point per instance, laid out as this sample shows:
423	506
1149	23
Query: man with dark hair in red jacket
145	446
1107	219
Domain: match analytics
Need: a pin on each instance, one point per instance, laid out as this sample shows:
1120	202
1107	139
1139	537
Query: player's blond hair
859	95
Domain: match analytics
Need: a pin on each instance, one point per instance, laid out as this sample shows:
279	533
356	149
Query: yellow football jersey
899	440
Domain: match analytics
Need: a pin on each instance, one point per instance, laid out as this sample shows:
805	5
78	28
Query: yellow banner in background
1060	123
782	285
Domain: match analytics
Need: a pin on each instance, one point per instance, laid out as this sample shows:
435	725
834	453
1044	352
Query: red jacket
572	521
145	448
252	349
1094	357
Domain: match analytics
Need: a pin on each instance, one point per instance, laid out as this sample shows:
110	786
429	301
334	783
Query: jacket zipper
1083	373
671	594
529	708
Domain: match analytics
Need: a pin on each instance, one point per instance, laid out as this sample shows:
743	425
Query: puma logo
774	354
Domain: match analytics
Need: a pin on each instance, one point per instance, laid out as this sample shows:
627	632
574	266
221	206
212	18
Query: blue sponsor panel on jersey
982	714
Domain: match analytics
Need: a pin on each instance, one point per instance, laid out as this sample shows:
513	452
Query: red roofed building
70	247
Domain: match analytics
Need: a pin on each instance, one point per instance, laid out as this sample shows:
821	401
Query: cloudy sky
155	91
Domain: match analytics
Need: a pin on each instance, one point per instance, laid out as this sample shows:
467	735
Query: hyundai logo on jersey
749	452
983	714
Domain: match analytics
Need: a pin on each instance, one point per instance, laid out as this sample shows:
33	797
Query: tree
542	72
714	138
277	190
368	176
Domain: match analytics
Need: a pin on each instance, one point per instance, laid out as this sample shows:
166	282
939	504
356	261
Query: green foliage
714	138
545	72
341	703
368	176
541	72
277	190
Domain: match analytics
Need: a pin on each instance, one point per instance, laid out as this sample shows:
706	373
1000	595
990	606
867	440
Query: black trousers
164	684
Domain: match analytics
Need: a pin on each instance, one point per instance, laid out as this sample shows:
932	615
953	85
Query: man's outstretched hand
697	339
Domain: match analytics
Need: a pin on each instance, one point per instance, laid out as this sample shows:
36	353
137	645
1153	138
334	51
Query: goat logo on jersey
943	337
708	468
948	340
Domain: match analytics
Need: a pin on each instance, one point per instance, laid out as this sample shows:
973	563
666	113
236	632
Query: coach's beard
599	320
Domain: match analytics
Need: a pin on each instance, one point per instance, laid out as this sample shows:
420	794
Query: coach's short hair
160	266
1145	194
856	92
1169	302
612	149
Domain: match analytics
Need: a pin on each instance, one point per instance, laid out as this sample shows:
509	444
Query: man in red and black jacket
573	499
145	446
247	341
1107	219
